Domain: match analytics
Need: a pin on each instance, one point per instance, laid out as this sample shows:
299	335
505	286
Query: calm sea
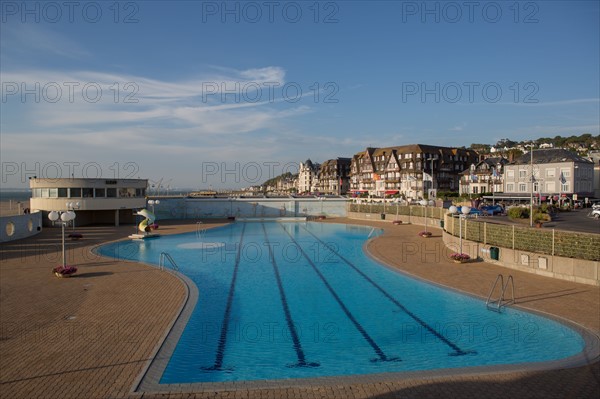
15	195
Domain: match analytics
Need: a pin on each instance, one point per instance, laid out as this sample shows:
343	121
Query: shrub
545	208
518	213
447	194
67	270
540	217
460	256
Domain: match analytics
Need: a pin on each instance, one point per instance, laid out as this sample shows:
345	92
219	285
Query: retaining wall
20	226
521	248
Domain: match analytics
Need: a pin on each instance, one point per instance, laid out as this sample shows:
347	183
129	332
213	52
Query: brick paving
90	336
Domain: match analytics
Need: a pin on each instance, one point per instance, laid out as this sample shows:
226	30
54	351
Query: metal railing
548	241
501	301
200	230
165	256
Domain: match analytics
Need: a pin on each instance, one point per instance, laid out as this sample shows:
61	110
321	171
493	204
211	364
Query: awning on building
390	192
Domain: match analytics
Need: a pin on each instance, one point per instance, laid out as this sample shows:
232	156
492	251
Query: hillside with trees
581	144
273	181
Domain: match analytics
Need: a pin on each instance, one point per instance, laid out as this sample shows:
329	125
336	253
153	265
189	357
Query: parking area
575	220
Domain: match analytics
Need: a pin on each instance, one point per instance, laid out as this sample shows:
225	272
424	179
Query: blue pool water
300	300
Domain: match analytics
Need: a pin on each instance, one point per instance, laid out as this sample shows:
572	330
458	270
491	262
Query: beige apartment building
555	173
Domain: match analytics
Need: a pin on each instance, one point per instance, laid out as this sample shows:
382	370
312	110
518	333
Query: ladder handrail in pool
503	287
161	261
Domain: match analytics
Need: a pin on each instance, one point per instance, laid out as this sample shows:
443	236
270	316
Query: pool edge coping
148	379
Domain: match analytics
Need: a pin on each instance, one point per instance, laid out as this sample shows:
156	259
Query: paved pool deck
92	335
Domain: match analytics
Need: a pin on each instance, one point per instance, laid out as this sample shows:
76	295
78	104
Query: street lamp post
531	193
72	206
432	181
464	211
424	202
453	211
152	203
65	217
531	190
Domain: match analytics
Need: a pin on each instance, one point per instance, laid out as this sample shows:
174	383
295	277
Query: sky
213	94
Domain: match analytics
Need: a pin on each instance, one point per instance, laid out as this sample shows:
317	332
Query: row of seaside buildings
417	171
411	172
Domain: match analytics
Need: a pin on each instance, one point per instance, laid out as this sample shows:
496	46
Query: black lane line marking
381	355
286	309
457	350
218	365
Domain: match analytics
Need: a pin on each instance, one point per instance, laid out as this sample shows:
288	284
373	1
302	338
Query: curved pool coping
148	380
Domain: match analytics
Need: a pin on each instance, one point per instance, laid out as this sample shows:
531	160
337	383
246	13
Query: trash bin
495	253
383	216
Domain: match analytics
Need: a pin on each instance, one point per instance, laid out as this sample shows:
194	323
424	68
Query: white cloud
21	41
541	103
87	98
458	128
170	120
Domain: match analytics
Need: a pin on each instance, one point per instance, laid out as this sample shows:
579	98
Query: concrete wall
87	204
577	270
570	269
390	217
106	217
20	226
196	208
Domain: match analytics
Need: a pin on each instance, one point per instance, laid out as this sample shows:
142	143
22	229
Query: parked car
492	209
596	213
473	212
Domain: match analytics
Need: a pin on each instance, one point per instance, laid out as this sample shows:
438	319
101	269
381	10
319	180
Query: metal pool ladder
199	230
371	233
165	256
497	304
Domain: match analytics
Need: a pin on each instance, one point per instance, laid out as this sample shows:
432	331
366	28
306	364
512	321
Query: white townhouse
308	177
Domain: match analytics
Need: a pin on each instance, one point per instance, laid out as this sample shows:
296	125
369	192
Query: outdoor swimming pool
302	300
